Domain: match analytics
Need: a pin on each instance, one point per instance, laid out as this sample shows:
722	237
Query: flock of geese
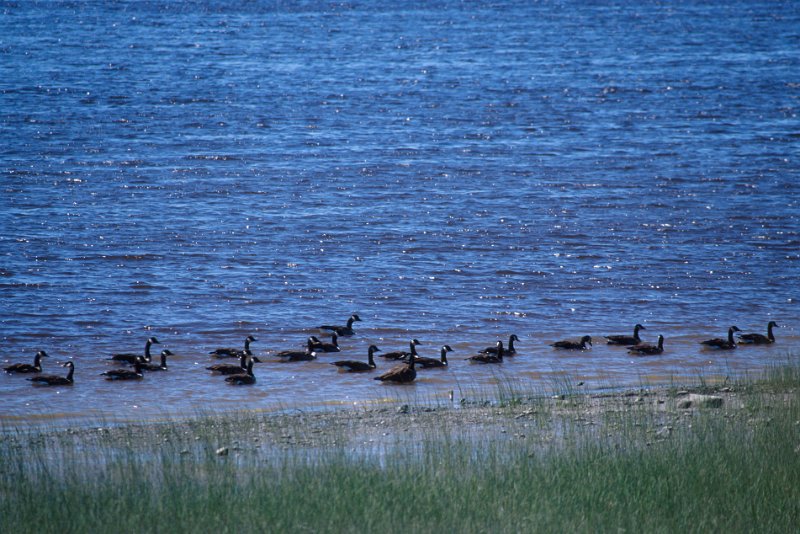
403	373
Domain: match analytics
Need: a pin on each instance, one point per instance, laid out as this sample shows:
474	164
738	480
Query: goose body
129	357
26	367
231	369
759	339
626	340
126	374
507	351
646	349
298	355
356	366
343	330
573	345
401	374
228	352
430	363
401	354
483	357
55	380
243	379
722	344
158	367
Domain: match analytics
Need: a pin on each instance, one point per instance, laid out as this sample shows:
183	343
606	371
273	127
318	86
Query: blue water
451	171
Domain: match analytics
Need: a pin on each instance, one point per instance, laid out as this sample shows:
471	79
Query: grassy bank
639	461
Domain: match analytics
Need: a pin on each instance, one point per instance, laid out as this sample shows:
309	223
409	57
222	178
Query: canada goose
573	345
160	367
627	340
54	380
243	379
333	346
483	357
759	339
507	351
129	357
231	369
297	355
356	366
401	374
428	363
645	349
401	354
26	367
228	352
126	374
722	344
343	330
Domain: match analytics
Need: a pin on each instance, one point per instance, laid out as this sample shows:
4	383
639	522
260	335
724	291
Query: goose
508	351
759	339
401	374
627	340
573	345
428	363
158	367
55	380
496	357
26	367
231	369
645	349
343	330
126	374
297	355
228	352
355	366
722	344
333	346
401	354
129	357
243	379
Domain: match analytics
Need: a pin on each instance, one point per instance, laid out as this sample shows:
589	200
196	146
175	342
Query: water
451	171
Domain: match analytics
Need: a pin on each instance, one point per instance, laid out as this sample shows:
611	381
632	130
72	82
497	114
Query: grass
527	463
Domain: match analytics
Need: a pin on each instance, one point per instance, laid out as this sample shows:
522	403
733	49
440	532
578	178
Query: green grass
544	466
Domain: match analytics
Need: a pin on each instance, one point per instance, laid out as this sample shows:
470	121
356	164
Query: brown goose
343	330
54	380
507	351
646	349
356	366
26	367
573	345
126	374
243	379
722	344
401	354
158	367
759	339
401	374
129	357
229	352
627	340
297	355
429	363
497	357
231	369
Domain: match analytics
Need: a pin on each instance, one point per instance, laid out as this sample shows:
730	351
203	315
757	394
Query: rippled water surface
451	171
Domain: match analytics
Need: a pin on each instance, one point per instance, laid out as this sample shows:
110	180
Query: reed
633	464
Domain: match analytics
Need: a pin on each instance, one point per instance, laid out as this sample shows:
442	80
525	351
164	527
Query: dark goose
297	355
129	357
430	363
54	380
333	346
343	330
158	367
401	374
627	340
507	351
573	345
646	349
759	339
126	374
722	344
229	352
356	366
26	367
231	369
497	357
401	354
244	379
